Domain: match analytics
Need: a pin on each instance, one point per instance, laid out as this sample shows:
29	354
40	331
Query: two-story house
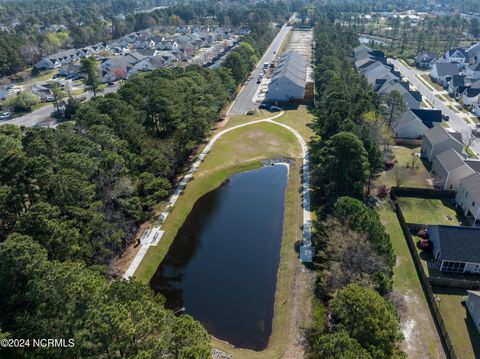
437	140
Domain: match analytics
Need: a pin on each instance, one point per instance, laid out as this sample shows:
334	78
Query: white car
5	115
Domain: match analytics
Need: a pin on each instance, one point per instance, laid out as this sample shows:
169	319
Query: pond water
222	265
367	40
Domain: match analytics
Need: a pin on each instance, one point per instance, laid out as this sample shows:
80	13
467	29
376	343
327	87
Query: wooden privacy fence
427	288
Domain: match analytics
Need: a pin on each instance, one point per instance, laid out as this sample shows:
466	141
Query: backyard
462	330
409	169
429	211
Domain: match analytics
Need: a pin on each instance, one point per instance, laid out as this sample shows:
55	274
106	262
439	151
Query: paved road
244	102
455	120
42	116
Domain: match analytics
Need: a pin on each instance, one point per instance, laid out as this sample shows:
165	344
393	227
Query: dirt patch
415	325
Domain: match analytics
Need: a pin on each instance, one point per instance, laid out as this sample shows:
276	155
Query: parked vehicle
266	65
5	115
48	99
445	117
476	130
263	105
82	98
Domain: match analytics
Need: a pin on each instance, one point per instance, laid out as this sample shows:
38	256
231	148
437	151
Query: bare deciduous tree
468	139
400	174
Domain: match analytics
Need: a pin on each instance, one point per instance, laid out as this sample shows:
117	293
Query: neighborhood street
42	116
244	102
456	121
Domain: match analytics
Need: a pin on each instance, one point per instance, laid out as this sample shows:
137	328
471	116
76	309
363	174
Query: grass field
429	211
238	151
464	335
417	318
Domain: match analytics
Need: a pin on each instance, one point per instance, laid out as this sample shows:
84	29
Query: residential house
425	60
168	58
117	68
374	73
289	78
443	72
456	83
473	52
69	70
456	249
456	56
58	59
468	196
437	139
412	99
363	51
149	64
470	96
146	52
473	307
476	108
413	123
473	71
448	169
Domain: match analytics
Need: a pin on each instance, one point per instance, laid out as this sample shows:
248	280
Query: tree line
353	255
71	200
88	22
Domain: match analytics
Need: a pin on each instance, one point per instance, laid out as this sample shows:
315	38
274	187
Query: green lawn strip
299	120
403	61
286	42
427	82
470	153
460	327
406	281
428	211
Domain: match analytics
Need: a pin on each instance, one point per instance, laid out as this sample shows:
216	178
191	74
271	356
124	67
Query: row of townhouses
145	50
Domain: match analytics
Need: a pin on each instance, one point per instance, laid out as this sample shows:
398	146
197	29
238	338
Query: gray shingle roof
460	244
292	66
450	159
446	69
438	134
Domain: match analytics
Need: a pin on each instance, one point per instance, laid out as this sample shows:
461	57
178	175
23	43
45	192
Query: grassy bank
238	151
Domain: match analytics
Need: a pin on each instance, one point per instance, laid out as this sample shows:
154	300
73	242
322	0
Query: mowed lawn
416	173
460	326
421	338
429	211
237	151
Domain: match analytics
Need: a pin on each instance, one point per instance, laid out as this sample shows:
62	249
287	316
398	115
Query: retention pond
222	265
